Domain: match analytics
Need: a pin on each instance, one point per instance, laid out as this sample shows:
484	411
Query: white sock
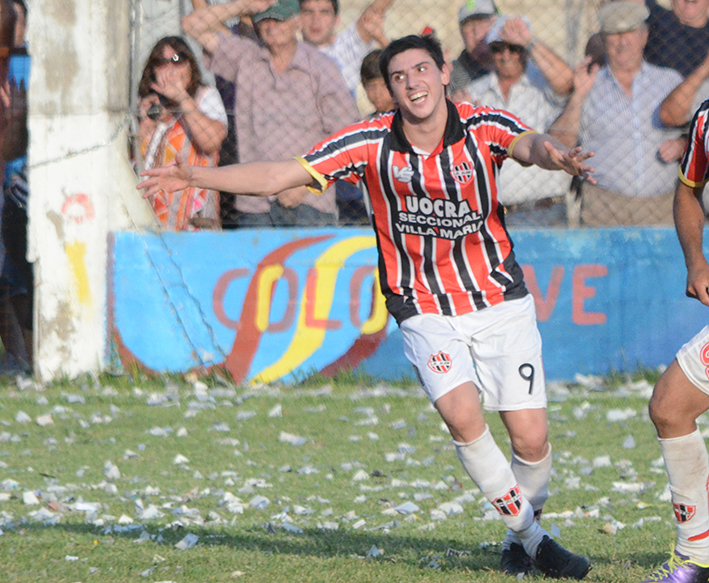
687	466
533	479
491	472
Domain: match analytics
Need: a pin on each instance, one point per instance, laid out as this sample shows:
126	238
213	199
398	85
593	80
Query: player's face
474	30
691	12
278	33
417	84
379	95
318	21
625	49
508	60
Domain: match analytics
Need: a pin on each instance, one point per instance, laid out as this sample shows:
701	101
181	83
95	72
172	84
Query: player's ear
446	74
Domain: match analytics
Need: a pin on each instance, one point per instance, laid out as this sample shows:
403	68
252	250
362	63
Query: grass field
303	484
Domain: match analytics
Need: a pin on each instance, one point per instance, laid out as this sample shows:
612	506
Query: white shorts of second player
693	359
498	348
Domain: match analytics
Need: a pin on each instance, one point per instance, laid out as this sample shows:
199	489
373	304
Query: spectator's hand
672	150
167	178
252	7
170	84
371	24
571	161
698	282
585	76
292	197
516	32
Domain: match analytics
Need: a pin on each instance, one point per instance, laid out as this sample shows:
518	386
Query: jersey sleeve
342	156
694	169
499	129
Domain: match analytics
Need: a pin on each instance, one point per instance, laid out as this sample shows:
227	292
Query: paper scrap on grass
294	440
188	542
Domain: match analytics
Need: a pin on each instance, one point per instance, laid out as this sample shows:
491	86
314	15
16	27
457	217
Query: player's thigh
508	357
439	353
682	393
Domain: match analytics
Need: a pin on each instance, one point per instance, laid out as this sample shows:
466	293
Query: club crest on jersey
440	363
462	172
684	512
404	174
509	504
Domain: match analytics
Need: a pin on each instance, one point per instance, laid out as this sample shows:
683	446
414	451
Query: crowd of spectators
286	78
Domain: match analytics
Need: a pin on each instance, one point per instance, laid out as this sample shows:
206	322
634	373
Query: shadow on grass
272	539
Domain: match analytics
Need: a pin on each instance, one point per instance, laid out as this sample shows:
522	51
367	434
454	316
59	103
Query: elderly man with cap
614	113
289	95
532	82
475	18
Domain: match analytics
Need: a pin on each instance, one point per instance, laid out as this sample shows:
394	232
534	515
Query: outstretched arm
255	179
371	21
689	222
549	153
205	24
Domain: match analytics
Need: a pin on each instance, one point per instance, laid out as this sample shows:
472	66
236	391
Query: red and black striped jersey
443	246
694	169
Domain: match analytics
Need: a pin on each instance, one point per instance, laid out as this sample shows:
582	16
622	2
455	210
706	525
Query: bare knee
676	403
531	447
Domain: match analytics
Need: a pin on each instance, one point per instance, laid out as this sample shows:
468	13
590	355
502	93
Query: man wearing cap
530	81
614	112
289	95
475	18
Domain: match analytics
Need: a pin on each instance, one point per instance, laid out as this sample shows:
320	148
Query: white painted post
81	183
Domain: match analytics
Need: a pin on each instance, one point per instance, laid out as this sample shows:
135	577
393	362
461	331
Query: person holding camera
180	115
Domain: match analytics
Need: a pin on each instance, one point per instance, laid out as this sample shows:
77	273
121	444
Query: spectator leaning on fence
613	112
530	81
180	116
319	20
475	18
289	95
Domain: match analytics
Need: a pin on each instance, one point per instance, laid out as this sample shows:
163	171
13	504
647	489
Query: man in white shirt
530	81
320	18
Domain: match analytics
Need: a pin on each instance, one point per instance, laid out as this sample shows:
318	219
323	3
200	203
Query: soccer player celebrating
447	270
682	393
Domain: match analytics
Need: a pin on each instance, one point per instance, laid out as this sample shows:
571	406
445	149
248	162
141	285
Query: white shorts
498	348
693	359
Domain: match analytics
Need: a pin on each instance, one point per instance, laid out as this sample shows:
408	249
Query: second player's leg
675	405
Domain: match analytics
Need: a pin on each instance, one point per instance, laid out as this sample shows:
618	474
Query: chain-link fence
220	83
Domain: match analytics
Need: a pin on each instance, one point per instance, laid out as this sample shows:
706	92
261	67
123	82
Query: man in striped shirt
447	271
682	393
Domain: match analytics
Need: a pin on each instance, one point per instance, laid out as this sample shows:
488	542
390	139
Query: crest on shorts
704	357
509	504
462	172
440	363
684	512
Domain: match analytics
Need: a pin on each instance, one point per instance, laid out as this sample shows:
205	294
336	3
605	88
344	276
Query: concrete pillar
81	182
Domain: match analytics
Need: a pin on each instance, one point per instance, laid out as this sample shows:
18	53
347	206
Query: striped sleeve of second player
694	168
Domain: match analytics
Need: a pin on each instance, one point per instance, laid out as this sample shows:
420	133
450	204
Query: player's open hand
698	282
571	161
167	178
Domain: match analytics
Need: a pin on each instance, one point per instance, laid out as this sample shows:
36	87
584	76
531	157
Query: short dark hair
178	45
428	43
369	71
335	5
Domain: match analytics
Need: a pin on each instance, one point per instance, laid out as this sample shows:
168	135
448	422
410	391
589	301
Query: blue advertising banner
270	305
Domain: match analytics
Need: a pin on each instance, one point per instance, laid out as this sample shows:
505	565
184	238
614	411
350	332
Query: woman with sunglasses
180	115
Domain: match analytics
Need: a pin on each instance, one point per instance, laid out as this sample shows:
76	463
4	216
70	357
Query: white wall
81	182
